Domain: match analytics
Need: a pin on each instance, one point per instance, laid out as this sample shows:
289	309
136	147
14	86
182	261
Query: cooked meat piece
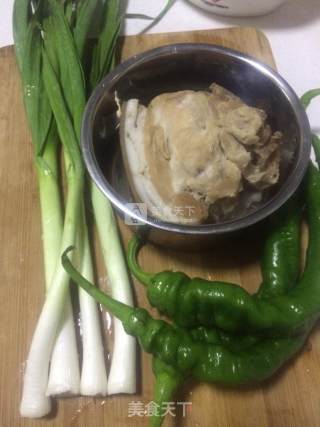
234	151
190	139
240	120
264	170
197	149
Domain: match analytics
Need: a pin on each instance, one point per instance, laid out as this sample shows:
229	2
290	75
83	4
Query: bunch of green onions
59	67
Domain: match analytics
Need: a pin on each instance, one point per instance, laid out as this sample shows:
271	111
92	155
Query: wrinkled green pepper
229	307
280	265
176	347
280	269
182	357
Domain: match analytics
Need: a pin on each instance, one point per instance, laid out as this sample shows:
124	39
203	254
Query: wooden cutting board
290	399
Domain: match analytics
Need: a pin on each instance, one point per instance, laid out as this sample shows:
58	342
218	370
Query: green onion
93	375
52	50
121	380
44	136
46	329
122	376
93	372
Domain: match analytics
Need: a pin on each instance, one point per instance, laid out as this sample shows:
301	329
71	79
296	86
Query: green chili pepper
175	347
167	381
178	356
281	256
280	265
280	269
198	302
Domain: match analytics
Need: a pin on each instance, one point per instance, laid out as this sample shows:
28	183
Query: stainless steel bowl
191	66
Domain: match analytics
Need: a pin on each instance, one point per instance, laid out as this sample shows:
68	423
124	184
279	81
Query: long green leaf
63	119
138	16
21	17
70	11
159	17
28	44
104	50
309	96
71	74
50	39
84	21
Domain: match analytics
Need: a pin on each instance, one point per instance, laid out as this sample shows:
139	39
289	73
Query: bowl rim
285	192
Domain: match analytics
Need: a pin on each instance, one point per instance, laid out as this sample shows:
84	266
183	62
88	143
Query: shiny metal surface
192	66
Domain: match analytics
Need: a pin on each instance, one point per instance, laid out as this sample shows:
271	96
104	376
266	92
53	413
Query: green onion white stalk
122	376
64	365
64	374
93	373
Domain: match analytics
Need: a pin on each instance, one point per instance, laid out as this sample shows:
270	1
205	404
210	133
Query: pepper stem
132	253
118	309
167	380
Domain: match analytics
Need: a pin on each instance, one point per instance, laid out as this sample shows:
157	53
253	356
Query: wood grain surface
291	399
